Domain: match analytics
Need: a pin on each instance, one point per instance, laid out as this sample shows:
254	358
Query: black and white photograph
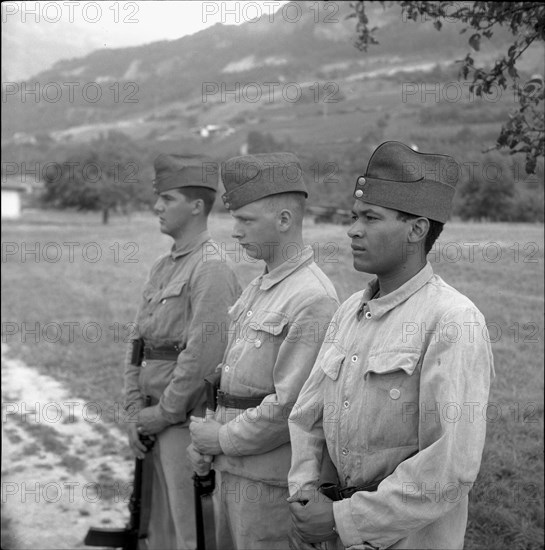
272	275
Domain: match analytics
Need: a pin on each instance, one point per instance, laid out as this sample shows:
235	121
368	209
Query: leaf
512	71
437	24
531	163
475	41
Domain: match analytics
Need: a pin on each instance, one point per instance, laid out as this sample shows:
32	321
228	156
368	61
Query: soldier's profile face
256	230
379	239
174	212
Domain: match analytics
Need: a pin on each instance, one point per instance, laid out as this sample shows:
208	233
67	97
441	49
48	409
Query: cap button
361	180
359	193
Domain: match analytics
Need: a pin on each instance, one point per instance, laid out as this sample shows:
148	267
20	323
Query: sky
37	34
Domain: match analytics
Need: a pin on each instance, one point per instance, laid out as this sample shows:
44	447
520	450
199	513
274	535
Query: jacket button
344	452
144	364
226	368
395	393
354	358
249	314
163	302
258	344
368	315
346	404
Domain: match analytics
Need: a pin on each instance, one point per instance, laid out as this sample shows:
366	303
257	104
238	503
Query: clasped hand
312	517
205	435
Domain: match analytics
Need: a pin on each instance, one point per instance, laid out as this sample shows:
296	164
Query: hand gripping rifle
204	484
132	536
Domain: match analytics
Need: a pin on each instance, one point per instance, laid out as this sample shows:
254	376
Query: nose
355	230
158	206
237	231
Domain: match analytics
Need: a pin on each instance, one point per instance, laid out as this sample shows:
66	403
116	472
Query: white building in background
12	191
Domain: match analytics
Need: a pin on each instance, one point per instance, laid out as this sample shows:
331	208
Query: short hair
295	202
192	193
434	230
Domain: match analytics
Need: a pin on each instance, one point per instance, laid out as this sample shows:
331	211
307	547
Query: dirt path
63	469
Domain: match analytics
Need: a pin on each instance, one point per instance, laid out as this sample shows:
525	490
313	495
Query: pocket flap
391	361
173	289
235	310
331	362
272	322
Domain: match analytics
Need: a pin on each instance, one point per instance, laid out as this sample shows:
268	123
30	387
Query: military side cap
400	178
176	171
253	177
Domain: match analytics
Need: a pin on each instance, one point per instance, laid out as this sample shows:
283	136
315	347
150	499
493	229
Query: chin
362	267
254	255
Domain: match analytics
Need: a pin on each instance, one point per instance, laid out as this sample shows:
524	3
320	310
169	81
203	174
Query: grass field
70	286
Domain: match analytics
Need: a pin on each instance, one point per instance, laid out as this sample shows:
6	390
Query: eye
354	218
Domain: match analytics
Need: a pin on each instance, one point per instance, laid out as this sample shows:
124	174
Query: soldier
398	395
187	289
277	328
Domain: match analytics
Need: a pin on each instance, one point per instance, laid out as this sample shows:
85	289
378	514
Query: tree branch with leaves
524	131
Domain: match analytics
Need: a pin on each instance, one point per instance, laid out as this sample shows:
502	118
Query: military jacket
277	327
185	302
398	393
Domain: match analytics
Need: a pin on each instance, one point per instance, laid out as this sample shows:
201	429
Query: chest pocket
235	310
268	322
173	289
391	397
262	333
331	362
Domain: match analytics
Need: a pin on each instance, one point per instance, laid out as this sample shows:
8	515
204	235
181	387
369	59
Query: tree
524	131
105	175
488	198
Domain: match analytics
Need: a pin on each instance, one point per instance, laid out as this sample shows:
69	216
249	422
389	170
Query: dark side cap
400	178
175	171
253	177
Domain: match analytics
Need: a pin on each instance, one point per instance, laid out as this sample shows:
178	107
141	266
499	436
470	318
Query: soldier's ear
285	219
198	207
419	229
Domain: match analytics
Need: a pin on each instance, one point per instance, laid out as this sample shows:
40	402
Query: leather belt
335	492
165	353
162	353
236	402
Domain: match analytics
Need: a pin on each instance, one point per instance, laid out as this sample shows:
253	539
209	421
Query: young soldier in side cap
398	394
187	289
277	328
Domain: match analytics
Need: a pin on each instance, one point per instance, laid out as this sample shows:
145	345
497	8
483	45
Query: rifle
204	485
128	537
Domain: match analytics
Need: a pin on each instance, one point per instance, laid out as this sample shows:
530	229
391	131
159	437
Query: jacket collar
379	306
191	246
270	278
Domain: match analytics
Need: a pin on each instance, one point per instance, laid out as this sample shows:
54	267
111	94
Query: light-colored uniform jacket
409	374
277	327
